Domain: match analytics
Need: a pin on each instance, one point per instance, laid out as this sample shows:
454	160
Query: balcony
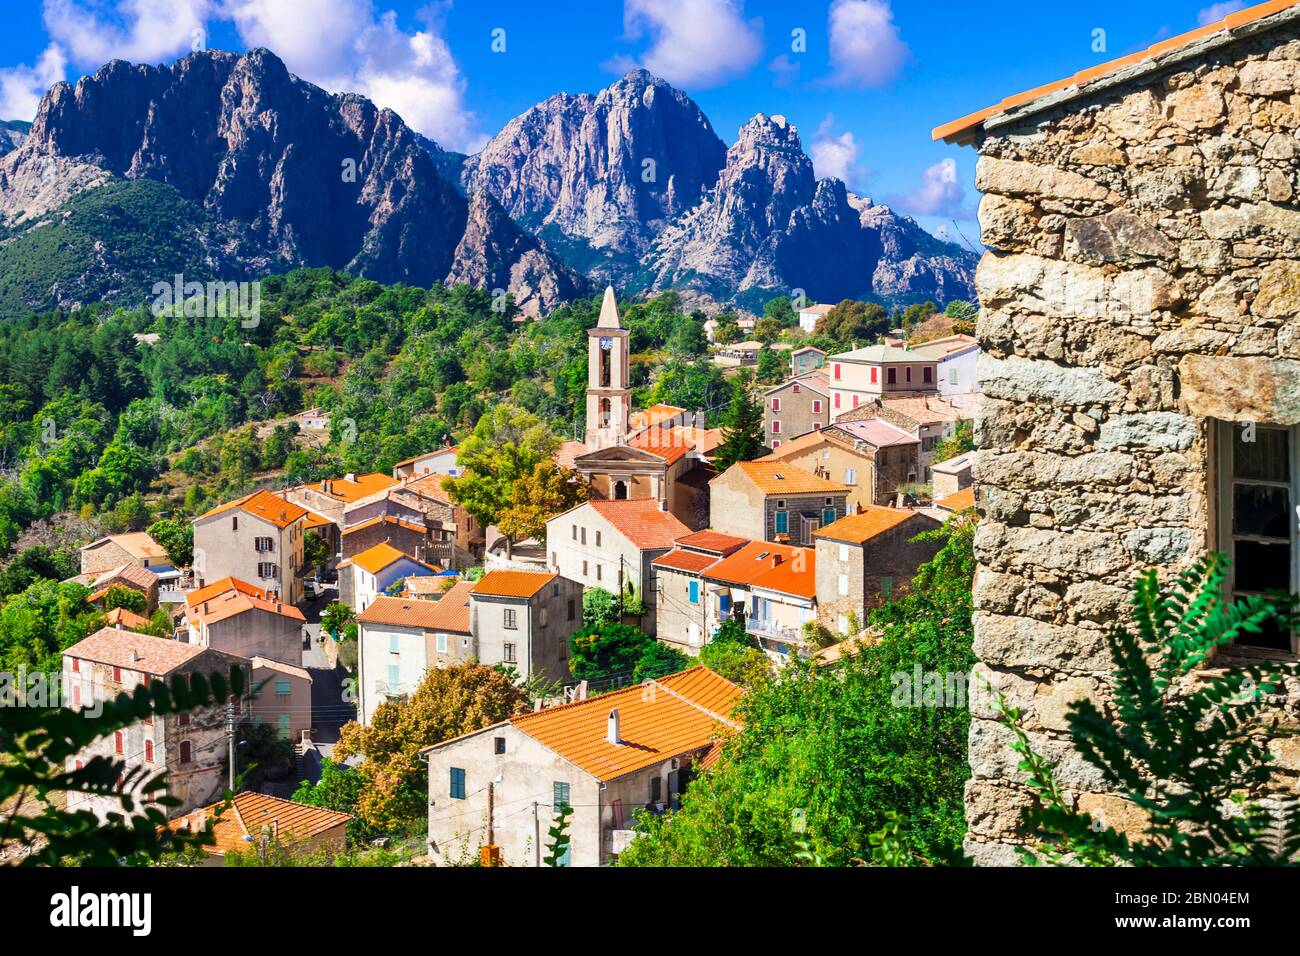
392	691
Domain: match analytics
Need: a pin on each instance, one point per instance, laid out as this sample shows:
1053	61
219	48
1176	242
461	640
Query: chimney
350	476
611	733
663	504
135	655
776	559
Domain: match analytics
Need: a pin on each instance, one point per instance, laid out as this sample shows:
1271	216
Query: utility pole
490	853
537	838
230	739
491	803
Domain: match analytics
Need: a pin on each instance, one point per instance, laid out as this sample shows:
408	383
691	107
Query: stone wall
1143	277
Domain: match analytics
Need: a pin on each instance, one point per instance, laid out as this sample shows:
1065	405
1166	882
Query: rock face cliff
770	226
600	175
629	185
310	177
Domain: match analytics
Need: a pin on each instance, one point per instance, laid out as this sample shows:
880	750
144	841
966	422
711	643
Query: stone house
929	420
771	587
774	501
238	618
365	576
865	559
878	371
332	496
409	537
681	593
951	476
836	455
806	359
611	545
399	639
137	547
255	818
256	538
455	539
957	357
794	408
132	576
281	697
189	748
523	619
632	749
1138	318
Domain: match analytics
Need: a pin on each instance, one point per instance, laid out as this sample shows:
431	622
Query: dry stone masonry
1142	280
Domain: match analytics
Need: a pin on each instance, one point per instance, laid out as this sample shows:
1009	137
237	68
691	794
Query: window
598	539
457	784
282	688
582	536
952	376
844	552
776	443
856	399
584	569
776	427
842	623
843	585
393	646
817	406
234	522
283	726
572	609
836	366
575	532
776	404
119	742
837	399
509	619
874	375
927	374
508	653
267	570
656	789
850	476
597	572
693	589
263	544
724	603
828	516
542	617
76	666
560	794
187	751
795	390
892	376
394	677
498	745
783	522
117	675
148	751
1259	469
185	720
442	643
909	373
76	696
886	585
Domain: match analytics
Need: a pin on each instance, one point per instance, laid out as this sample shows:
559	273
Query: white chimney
611	734
350	476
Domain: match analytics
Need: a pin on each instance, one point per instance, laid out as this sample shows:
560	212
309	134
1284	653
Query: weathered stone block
1029	380
1242	222
1015	178
1115	237
1115	812
1002	641
1233	388
1279	291
992	758
1164	430
1053	700
1162	546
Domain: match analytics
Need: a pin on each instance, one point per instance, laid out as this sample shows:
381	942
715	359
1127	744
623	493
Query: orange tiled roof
860	528
777	478
138	544
314	520
386	519
236	599
430	486
138	652
642	522
249	813
658	720
654	415
714	541
670	444
209	591
129	573
350	491
568	452
958	500
776	567
126	619
381	556
692	562
523	584
964	129
449	613
265	505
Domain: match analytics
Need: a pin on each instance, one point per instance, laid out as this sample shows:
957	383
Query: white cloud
343	45
1217	11
938	194
835	155
22	86
695	43
865	47
142	31
784	70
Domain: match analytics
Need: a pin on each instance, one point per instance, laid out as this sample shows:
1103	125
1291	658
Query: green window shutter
282	687
561	794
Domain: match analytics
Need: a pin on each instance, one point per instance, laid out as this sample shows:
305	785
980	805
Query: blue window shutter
457	783
828	516
695	592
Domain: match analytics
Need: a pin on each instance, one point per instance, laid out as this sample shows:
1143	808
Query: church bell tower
608	397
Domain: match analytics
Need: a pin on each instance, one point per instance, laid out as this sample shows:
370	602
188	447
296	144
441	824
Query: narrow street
331	706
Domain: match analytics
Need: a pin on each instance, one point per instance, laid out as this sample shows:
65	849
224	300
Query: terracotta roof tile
386	519
875	432
143	653
777	567
776	478
382	555
860	528
126	619
693	562
714	541
238	597
522	584
670	444
658	720
642	522
250	812
449	613
280	667
262	504
963	129
350	491
138	544
130	573
958	500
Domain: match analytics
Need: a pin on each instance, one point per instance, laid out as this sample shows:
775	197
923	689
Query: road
330	710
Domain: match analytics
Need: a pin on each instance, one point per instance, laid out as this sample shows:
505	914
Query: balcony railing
767	630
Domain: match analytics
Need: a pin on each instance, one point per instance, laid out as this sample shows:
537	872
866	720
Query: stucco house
774	501
399	639
281	696
242	619
523	619
795	407
440	462
878	371
682	597
606	757
612	544
865	559
772	587
810	315
188	747
805	359
365	576
256	538
1139	379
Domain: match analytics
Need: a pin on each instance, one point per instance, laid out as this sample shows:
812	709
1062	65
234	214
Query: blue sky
864	80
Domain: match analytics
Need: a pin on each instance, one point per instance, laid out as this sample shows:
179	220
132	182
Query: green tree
507	444
659	660
176	536
538	496
124	597
599	608
742	426
767	330
1185	755
770	368
782	311
825	754
34	564
958	443
853	322
600	652
336	617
